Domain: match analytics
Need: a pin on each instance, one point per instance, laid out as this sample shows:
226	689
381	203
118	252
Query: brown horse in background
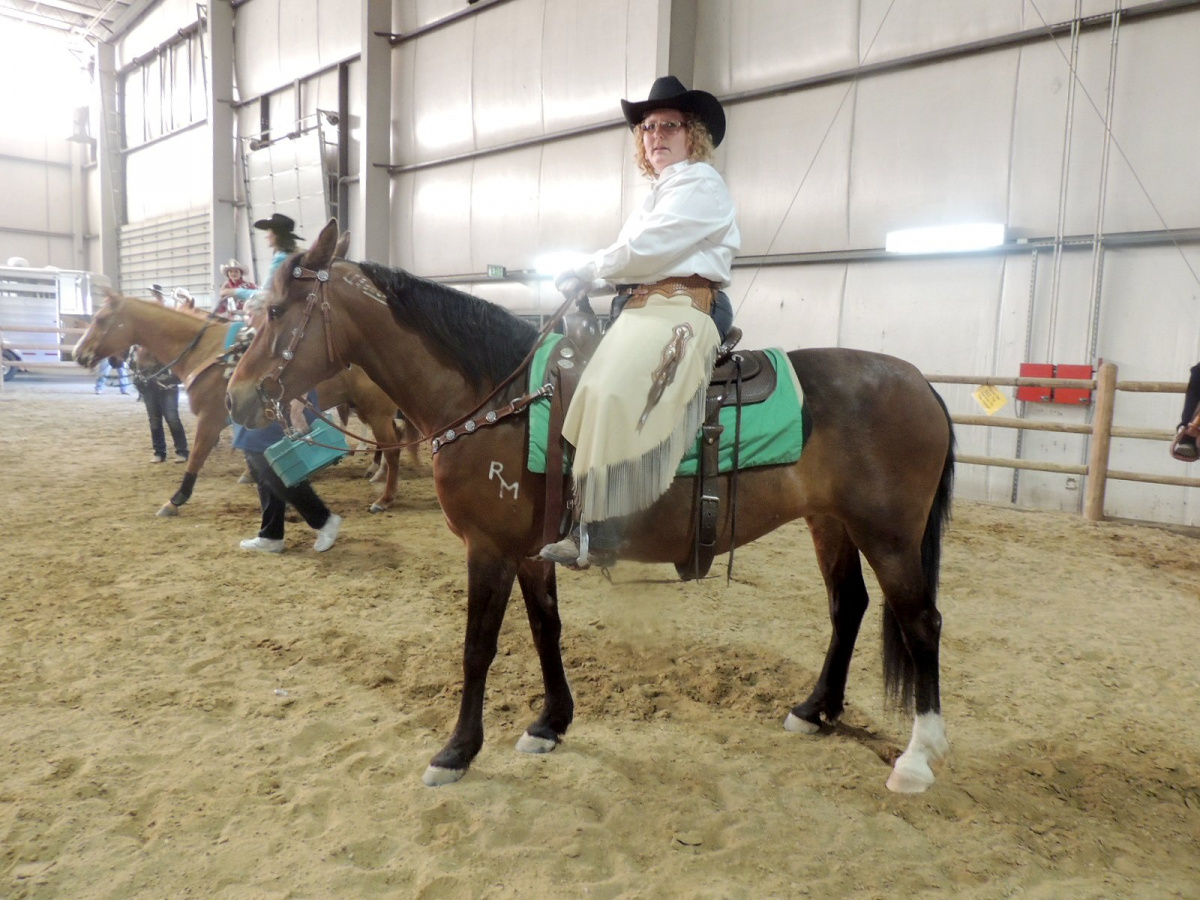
874	479
191	344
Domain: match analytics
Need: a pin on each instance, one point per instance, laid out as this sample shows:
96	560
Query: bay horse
874	478
192	343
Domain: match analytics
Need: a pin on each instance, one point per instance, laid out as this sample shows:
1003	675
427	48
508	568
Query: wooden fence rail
1102	431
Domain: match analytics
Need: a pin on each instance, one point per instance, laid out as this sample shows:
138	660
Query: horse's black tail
899	668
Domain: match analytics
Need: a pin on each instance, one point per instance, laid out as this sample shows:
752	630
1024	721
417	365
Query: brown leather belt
701	291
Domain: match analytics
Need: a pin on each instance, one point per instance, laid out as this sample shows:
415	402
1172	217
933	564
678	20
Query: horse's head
107	335
296	344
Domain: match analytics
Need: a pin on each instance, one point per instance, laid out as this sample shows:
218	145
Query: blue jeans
162	403
122	376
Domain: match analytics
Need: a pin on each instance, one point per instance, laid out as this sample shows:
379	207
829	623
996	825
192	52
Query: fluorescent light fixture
553	264
946	238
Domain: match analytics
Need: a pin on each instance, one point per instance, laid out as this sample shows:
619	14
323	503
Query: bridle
113	320
463	425
316	297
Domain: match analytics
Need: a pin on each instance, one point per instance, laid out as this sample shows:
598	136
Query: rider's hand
296	414
570	285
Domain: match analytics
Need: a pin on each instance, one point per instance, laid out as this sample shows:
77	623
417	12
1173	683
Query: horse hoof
531	743
910	778
378	508
168	509
245	478
436	776
797	725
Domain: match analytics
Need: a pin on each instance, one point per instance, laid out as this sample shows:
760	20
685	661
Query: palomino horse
193	344
874	478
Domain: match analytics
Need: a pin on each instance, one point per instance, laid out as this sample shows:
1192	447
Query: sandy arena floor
185	719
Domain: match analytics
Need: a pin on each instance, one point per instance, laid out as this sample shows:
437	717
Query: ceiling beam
66	6
42	21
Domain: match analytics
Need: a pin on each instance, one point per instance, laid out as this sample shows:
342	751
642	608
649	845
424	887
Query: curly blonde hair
700	144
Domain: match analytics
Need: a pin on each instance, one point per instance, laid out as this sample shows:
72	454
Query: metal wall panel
409	15
741	46
1158	83
580	88
580	208
892	29
439	96
503	226
277	42
441	220
789	306
506	74
160	178
931	146
786	162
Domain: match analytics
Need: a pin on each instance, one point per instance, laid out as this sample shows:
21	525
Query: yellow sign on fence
990	399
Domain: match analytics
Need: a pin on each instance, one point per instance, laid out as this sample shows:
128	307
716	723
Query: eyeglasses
667	128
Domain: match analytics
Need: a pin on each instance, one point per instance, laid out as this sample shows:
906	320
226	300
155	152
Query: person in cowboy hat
235	280
640	401
156	294
282	239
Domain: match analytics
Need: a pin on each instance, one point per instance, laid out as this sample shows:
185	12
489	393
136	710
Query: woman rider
640	401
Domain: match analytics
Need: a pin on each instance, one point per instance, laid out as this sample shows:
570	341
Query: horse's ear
343	245
321	253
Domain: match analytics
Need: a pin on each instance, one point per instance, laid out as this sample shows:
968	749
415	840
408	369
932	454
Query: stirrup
1183	449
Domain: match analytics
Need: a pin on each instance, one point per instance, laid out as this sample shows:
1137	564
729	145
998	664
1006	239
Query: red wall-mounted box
1036	394
1073	395
1049	393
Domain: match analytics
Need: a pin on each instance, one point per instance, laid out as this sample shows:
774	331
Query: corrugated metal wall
847	121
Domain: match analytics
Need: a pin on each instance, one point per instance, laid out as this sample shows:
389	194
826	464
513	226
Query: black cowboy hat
668	92
278	223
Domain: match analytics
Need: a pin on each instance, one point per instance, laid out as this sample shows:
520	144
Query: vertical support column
105	257
677	40
371	228
223	205
1097	477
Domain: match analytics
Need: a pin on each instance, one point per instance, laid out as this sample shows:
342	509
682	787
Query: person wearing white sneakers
273	495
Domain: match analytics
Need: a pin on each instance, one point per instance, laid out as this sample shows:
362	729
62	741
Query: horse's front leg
540	590
489	583
208	431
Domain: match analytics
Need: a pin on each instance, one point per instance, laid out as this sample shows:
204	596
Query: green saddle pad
772	431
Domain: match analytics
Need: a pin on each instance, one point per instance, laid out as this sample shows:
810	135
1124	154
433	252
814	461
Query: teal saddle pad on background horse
772	430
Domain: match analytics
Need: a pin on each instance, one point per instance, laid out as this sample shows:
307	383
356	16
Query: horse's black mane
487	341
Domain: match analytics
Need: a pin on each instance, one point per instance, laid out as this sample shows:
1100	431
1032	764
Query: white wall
981	135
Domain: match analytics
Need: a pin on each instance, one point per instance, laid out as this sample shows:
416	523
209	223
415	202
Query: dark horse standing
875	478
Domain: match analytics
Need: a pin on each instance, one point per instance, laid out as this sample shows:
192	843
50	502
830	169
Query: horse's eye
274	312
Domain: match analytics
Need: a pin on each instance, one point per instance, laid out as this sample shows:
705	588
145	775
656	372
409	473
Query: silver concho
287	354
565	364
323	275
297	272
566	352
491	417
469	426
451	435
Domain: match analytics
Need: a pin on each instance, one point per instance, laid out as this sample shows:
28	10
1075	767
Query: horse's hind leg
842	570
912	628
540	590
